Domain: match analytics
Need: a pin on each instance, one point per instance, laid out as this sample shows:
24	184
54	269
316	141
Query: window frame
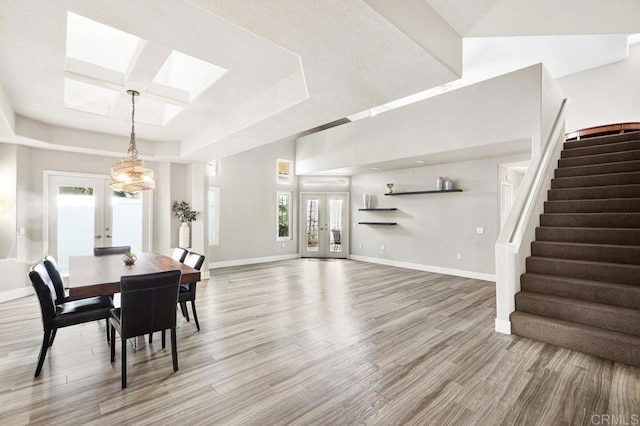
289	196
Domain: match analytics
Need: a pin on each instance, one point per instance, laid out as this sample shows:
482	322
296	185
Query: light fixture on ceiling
129	174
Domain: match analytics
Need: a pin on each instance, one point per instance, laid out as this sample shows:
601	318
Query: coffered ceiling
220	77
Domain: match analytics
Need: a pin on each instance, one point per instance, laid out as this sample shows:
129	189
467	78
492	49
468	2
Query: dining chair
102	251
179	254
55	316
147	304
62	293
188	291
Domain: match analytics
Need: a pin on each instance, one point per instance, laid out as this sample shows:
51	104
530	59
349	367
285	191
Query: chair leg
151	337
195	315
164	338
174	349
106	323
124	363
185	312
113	344
53	337
46	339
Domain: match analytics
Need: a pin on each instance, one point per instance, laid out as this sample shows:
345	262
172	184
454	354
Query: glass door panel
325	225
126	221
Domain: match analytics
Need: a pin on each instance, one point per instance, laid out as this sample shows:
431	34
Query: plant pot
184	239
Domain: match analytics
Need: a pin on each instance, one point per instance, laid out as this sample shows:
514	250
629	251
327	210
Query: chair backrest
56	278
194	260
102	251
148	302
336	236
179	254
46	293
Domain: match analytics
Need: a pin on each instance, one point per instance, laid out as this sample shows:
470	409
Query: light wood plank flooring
315	342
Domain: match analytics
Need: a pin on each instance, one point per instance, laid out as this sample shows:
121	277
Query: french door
325	225
83	213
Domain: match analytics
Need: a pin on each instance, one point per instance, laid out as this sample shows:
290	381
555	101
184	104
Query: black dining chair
62	293
103	251
148	304
188	291
55	316
179	254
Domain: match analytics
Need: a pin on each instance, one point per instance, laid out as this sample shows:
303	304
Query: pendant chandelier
129	174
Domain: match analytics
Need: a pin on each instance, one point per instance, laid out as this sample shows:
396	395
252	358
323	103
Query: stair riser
600	149
621	236
629	255
590	291
591	220
599	159
596	193
603	316
630	205
613	347
616	273
598	180
598	169
602	140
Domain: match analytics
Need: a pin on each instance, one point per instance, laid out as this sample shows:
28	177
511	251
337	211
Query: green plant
283	220
183	211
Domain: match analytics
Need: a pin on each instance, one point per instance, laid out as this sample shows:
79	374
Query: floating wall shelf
424	192
378	223
381	209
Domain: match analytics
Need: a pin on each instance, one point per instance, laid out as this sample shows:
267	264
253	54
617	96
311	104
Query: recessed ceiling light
374	168
419	161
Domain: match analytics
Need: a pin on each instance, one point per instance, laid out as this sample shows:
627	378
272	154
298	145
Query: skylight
154	112
188	73
88	98
99	44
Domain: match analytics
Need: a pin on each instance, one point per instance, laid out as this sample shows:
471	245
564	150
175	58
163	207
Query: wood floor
315	342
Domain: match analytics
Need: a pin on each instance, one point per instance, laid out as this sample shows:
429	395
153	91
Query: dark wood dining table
100	275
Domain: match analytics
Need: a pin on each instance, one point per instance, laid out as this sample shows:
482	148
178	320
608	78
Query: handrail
606	129
510	256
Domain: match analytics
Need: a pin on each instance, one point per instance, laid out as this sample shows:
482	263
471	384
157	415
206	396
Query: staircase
581	289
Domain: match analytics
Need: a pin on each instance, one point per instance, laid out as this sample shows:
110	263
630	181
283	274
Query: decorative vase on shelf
448	185
439	184
389	188
185	235
366	200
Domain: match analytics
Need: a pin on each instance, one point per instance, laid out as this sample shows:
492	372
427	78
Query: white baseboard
427	268
15	293
503	326
251	261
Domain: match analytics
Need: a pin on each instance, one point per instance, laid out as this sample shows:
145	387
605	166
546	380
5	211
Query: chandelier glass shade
129	174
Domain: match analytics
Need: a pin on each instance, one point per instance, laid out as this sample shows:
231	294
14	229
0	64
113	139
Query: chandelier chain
133	150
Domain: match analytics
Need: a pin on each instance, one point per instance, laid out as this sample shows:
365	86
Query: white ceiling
292	65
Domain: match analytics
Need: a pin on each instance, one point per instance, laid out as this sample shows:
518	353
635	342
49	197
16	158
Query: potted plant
184	213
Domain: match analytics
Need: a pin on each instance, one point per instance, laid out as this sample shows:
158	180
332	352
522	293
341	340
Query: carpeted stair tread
609	179
599	169
607	344
620	236
601	149
597	205
608	317
618	273
608	253
591	220
602	140
599	158
595	192
594	291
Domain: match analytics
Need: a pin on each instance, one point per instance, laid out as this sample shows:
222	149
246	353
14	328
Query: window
214	216
284	216
285	171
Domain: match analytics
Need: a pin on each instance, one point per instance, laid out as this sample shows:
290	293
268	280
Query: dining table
100	275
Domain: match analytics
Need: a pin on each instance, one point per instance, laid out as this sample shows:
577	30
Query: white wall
604	95
481	119
248	206
432	228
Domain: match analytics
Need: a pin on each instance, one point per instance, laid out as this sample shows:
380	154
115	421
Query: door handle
98	236
108	236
